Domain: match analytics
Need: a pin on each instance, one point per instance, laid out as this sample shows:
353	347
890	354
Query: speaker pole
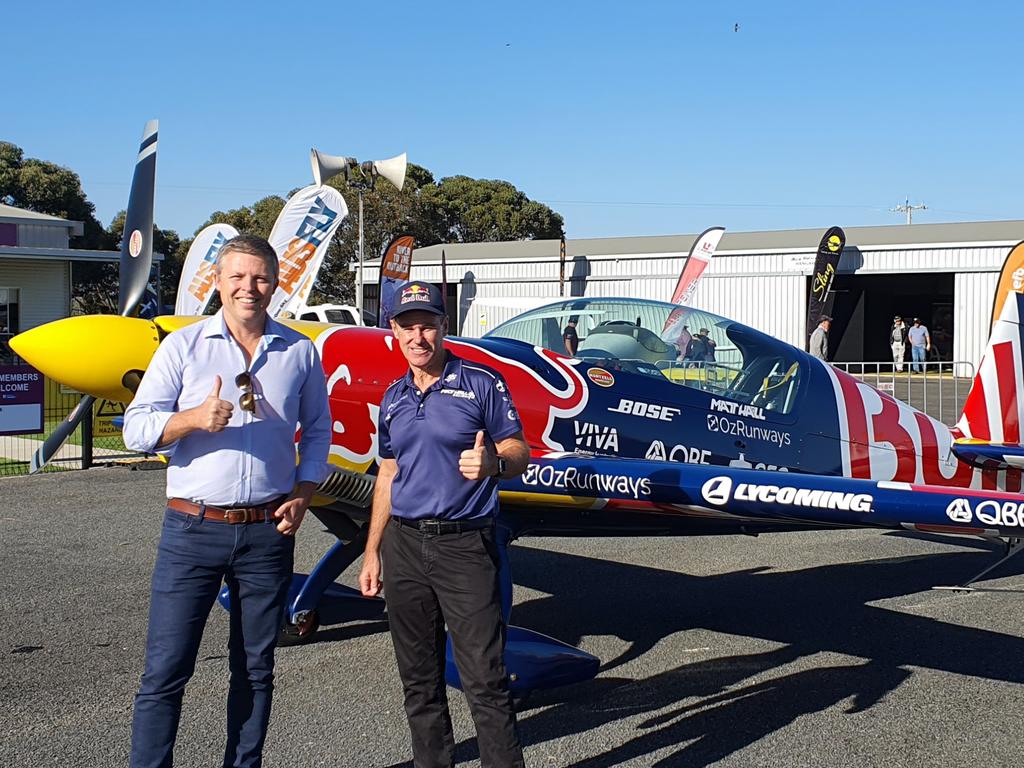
359	296
393	169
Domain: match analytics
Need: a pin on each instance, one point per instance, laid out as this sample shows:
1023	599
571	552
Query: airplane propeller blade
136	263
56	439
137	240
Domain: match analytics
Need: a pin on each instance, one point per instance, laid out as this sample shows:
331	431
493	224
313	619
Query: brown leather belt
230	515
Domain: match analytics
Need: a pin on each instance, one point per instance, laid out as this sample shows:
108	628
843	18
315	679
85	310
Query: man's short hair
825	319
252	245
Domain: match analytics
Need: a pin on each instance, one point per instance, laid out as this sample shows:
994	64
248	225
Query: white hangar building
943	273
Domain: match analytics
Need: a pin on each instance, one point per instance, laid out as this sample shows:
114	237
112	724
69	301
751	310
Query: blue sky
637	118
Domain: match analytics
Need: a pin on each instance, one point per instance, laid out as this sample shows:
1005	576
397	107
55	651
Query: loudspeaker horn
325	166
392	169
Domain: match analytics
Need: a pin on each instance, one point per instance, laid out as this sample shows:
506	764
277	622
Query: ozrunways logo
590	483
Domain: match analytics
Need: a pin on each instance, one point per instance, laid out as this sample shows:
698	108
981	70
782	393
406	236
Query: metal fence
96	440
937	388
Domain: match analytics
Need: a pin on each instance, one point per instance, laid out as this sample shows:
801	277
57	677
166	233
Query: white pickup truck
330	313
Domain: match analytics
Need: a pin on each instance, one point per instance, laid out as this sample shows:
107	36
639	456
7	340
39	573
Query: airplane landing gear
1014	546
301	631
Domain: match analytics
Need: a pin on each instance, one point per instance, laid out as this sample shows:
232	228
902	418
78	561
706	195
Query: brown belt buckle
237	515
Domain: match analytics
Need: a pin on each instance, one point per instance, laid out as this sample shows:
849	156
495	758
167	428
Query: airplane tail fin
994	409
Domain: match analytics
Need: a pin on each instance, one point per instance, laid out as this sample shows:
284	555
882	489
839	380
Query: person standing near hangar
447	432
819	339
898	342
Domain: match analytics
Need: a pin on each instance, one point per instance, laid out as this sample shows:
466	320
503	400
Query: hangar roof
905	235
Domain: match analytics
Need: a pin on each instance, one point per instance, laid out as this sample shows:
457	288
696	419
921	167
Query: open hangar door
865	305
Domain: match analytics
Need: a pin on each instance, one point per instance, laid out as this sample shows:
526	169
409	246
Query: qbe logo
959	511
1006	514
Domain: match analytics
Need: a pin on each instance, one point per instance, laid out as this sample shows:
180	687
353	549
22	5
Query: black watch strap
502	466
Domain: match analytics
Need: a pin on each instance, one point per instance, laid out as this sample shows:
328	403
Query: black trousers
431	580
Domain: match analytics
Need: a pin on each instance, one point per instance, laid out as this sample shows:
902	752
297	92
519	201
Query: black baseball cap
417	295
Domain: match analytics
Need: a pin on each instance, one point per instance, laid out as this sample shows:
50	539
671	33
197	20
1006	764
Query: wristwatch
502	466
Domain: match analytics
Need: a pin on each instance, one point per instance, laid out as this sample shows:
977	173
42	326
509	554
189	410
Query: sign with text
21	400
107	418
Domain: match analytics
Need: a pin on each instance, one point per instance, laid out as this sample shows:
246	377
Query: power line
654	204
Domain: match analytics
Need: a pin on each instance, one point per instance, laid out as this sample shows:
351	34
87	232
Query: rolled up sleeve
315	420
155	402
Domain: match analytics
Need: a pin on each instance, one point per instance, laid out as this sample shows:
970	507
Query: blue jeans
918	355
194	555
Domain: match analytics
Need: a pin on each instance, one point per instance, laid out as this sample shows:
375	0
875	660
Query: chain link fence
96	440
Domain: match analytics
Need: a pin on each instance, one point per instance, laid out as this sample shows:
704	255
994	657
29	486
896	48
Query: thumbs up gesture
480	461
213	414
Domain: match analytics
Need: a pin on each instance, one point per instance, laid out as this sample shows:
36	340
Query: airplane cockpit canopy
682	345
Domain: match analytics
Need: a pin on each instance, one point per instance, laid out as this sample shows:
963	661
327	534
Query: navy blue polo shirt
427	431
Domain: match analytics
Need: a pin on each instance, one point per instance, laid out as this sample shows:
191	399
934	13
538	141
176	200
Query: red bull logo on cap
415	292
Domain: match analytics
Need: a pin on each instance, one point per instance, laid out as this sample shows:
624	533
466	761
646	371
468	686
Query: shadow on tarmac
822	609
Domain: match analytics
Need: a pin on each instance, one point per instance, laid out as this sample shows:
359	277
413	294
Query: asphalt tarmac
811	649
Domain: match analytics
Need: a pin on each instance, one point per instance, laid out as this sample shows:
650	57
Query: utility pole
909	209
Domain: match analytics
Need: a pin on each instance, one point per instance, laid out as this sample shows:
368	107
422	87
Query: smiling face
419	335
246	283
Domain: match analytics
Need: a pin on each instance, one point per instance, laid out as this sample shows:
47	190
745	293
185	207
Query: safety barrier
937	388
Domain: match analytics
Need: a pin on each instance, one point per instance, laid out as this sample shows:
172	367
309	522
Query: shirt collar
452	368
216	326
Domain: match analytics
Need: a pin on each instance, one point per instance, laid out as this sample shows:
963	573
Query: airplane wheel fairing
300	632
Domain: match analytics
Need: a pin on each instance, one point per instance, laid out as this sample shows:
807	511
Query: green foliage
479	210
95	284
255	219
43	187
457	209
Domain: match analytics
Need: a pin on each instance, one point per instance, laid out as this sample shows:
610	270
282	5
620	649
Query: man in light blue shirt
920	344
236	496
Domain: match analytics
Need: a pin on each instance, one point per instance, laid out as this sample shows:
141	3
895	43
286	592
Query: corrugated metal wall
43	289
972	314
776	305
765	290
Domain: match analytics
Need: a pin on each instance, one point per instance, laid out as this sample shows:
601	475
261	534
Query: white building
944	273
36	269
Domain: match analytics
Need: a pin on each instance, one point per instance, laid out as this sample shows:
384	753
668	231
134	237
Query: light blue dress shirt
252	460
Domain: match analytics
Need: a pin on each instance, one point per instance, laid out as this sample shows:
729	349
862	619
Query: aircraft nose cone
91	353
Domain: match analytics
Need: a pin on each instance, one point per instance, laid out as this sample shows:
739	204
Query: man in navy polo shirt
447	431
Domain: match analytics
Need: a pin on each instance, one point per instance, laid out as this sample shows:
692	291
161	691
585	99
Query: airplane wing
987	455
752	501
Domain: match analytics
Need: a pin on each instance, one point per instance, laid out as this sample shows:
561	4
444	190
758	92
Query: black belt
434	526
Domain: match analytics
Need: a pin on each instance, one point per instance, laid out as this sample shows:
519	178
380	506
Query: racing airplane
630	437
